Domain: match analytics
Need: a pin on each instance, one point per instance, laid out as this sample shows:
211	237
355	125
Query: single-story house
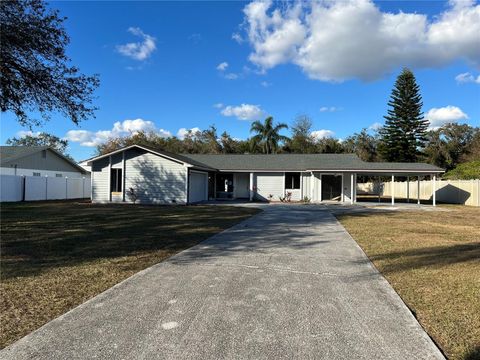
160	177
38	161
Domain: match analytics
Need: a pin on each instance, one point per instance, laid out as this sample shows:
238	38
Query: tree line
405	137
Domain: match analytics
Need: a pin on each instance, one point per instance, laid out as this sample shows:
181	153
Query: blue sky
167	66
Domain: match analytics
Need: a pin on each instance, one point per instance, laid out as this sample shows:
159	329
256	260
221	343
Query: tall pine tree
404	133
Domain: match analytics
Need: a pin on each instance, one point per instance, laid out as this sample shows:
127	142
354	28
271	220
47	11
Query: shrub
466	171
288	196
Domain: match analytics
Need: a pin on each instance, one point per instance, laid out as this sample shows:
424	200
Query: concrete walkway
287	283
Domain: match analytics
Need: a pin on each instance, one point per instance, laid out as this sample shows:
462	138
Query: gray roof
286	162
304	162
10	153
294	162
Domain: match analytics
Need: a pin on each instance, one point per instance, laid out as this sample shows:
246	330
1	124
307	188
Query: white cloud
339	40
126	127
244	112
181	133
375	126
222	66
231	76
329	109
322	134
138	50
444	115
467	78
218	105
265	84
237	37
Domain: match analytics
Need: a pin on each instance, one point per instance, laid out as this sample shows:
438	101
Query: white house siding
100	180
269	184
155	179
117	161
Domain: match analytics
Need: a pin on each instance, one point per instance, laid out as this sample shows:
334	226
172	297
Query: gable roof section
12	153
174	157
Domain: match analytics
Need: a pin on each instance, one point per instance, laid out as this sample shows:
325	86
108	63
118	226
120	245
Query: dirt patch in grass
57	255
432	259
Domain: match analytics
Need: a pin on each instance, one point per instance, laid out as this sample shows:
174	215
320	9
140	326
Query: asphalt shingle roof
302	162
294	162
287	162
10	153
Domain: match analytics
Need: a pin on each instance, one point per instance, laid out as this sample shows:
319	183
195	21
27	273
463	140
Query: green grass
57	255
432	259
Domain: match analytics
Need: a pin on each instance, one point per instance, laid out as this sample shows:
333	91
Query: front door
332	187
242	185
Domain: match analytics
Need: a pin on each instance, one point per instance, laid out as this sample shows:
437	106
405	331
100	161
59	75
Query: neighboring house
37	161
163	178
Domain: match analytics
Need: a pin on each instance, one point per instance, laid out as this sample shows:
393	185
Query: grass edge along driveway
57	255
432	260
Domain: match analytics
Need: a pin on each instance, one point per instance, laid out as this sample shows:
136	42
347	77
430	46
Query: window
116	180
58	175
292	181
36	174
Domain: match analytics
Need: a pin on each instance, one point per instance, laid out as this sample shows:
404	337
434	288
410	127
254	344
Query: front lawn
432	259
57	255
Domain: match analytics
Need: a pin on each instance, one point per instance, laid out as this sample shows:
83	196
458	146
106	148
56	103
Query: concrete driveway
287	283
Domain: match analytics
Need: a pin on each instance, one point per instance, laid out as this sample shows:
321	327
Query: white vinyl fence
34	188
466	192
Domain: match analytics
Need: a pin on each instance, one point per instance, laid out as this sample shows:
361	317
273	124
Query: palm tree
267	134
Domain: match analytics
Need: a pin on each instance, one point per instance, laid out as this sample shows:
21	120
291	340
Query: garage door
269	184
197	187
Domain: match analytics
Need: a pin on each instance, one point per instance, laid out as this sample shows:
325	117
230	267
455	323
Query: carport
325	183
393	174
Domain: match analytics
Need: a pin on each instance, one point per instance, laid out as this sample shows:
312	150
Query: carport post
379	185
434	190
251	187
351	188
418	189
312	183
124	167
393	189
110	179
